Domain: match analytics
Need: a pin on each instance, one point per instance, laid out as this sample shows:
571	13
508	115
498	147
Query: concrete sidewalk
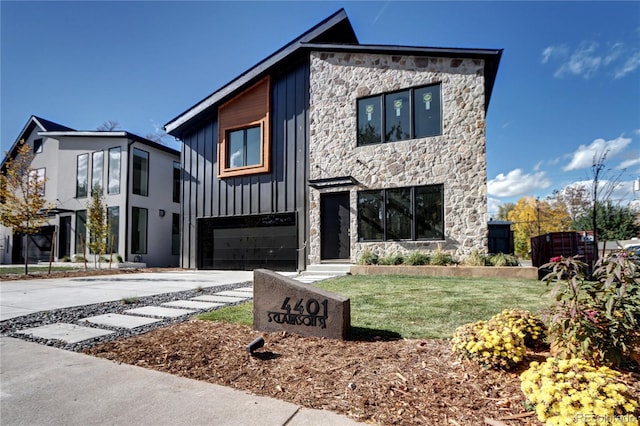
24	297
41	385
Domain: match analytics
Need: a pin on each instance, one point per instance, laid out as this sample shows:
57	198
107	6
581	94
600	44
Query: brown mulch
409	382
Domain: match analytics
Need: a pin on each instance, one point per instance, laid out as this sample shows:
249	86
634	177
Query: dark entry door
64	239
334	226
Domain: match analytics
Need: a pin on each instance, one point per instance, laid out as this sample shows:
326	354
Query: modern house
140	183
329	147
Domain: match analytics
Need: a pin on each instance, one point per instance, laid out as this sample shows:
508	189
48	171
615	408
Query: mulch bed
409	382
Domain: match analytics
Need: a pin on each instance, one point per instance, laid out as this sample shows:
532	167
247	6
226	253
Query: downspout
126	204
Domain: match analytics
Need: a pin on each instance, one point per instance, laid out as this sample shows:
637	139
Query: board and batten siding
283	189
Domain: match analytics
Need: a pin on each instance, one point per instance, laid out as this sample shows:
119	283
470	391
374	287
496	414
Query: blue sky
568	84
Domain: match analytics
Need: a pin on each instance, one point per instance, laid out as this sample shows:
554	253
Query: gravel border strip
73	315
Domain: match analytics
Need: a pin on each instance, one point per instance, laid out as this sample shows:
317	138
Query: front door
335	241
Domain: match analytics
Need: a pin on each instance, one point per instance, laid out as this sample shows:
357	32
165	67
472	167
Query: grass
419	307
19	270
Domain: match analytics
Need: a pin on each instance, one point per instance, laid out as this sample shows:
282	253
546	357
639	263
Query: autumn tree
97	223
23	207
504	209
532	217
576	198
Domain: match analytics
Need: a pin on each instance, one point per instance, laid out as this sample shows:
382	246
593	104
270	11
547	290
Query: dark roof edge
111	134
255	71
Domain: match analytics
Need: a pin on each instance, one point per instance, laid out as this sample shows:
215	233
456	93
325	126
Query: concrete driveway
24	297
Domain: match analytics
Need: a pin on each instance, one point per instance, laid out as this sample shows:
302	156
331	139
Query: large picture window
175	234
243	135
402	115
413	213
114	171
97	169
113	217
139	230
82	175
176	182
140	172
81	231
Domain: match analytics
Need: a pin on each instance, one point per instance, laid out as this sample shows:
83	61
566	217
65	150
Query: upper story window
396	116
411	213
140	172
243	139
97	169
176	182
37	146
38	179
113	174
82	175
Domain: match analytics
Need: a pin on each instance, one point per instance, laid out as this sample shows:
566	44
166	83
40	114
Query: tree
108	126
97	223
531	217
576	198
504	209
613	222
23	207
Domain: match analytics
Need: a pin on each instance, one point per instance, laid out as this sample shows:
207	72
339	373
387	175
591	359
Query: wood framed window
244	143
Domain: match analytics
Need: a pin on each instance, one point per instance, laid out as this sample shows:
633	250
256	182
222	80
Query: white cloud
590	58
516	183
583	157
493	206
629	163
618	192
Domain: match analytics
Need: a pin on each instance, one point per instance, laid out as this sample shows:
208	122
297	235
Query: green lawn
19	270
416	306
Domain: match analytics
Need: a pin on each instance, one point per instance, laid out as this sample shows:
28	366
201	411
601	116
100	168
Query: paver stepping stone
158	311
120	321
244	289
69	333
192	304
218	298
236	293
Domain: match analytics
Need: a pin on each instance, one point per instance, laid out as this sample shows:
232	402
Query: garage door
248	242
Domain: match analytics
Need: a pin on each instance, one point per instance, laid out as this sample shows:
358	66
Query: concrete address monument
283	304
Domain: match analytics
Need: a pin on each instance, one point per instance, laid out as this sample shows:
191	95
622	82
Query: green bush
79	259
417	258
65	259
595	320
368	258
441	258
476	259
501	259
393	259
119	258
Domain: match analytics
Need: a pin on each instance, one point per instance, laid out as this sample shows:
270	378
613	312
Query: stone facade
455	159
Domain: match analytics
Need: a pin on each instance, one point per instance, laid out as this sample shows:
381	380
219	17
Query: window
406	114
82	175
37	146
139	230
243	135
81	231
175	234
114	171
413	213
37	180
176	182
140	172
113	219
244	147
97	168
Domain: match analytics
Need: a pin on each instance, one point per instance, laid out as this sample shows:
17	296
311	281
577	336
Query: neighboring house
328	148
140	181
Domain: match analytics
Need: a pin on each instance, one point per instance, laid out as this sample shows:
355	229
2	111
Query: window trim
144	191
383	114
414	218
249	109
86	176
111	169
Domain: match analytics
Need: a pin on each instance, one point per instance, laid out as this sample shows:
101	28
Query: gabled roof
33	122
333	34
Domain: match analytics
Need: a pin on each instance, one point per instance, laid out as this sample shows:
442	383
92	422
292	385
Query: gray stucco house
329	147
140	180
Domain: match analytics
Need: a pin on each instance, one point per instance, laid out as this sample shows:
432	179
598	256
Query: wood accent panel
248	109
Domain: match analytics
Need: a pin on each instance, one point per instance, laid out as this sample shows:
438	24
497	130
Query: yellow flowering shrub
572	392
532	326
